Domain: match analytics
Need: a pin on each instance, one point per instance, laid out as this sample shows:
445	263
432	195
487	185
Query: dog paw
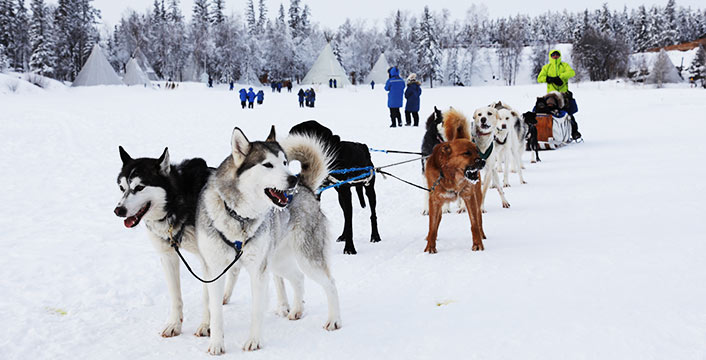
350	251
533	161
252	345
282	310
295	315
493	186
477	247
425	212
461	210
226	299
430	249
172	329
524	182
506	205
204	330
216	347
375	238
332	324
506	185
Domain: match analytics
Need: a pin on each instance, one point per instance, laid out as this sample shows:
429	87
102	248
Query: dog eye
122	188
467	153
489	113
139	188
268	165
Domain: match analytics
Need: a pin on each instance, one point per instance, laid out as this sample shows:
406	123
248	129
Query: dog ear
446	149
240	146
272	136
124	156
164	166
435	109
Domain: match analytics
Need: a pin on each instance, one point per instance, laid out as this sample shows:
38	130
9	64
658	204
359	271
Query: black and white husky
254	199
165	196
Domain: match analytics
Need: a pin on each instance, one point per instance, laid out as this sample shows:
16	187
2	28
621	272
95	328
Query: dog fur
510	140
254	198
530	119
346	155
485	121
453	172
165	195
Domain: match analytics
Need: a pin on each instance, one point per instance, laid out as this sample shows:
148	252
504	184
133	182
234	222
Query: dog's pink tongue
130	222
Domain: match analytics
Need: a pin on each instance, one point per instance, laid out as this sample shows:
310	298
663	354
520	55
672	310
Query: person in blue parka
251	99
395	89
260	97
301	95
243	97
412	94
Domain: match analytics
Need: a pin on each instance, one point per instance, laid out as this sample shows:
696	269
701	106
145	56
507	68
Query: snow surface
601	255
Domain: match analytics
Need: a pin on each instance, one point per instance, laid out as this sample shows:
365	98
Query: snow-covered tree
4	61
640	29
199	36
251	18
75	35
428	49
697	69
669	33
262	16
42	59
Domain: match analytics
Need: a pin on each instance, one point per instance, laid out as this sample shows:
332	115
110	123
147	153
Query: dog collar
501	142
234	215
484	155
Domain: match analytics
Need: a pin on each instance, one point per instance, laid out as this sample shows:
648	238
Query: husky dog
485	121
165	197
255	200
530	120
514	131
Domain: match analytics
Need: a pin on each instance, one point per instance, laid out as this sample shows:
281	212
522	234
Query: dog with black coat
346	155
434	134
530	119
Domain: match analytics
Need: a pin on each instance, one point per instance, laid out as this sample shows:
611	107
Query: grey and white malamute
254	200
165	196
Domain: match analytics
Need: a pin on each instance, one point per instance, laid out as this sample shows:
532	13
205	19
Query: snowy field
601	255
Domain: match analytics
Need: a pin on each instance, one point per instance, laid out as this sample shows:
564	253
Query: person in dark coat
395	90
301	97
412	94
279	86
231	86
243	97
307	97
330	83
288	84
210	82
335	84
312	97
273	86
260	97
251	99
372	85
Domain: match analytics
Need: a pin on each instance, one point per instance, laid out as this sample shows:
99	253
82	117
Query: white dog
485	122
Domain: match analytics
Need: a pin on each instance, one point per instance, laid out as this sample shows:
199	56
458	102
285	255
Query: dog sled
553	131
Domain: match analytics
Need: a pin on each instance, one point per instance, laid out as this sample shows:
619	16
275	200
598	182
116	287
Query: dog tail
316	158
359	190
455	125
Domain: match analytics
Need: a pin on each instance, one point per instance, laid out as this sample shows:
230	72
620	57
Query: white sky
330	13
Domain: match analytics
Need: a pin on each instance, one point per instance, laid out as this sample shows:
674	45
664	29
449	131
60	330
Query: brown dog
453	171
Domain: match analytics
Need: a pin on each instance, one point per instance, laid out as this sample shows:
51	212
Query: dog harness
501	142
484	155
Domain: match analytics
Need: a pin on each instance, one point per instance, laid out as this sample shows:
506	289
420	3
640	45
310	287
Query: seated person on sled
557	74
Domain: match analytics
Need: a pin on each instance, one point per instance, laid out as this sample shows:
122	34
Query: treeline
55	40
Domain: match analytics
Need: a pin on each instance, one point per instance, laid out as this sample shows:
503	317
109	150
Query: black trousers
408	120
395	115
242	103
251	105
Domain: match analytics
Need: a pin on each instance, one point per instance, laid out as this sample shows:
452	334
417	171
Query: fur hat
412	77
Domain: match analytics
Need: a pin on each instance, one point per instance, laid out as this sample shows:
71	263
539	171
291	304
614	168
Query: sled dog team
257	206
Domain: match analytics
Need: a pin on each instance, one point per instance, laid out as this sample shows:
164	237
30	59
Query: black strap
486	154
404	181
238	253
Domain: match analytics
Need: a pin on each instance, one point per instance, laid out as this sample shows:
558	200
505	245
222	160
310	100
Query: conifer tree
42	59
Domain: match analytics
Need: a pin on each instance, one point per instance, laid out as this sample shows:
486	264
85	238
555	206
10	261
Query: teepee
134	74
326	67
379	71
97	71
144	64
663	70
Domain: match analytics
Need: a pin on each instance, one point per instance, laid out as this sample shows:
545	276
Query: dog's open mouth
471	175
279	197
132	221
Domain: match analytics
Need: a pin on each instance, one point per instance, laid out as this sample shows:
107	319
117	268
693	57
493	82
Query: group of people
250	96
307	97
332	83
277	85
395	87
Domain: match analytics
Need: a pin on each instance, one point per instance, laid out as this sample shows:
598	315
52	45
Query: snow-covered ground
601	255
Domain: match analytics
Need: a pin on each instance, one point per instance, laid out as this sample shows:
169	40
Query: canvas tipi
379	72
663	70
326	67
97	71
134	74
144	64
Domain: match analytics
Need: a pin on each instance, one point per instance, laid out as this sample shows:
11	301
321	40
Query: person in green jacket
557	74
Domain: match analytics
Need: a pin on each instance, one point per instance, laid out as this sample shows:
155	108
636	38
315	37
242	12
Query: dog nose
292	180
120	211
482	120
480	163
504	126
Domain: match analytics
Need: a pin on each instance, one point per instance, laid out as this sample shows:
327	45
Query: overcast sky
331	13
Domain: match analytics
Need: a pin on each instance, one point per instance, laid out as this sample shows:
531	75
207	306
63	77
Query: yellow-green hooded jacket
556	68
